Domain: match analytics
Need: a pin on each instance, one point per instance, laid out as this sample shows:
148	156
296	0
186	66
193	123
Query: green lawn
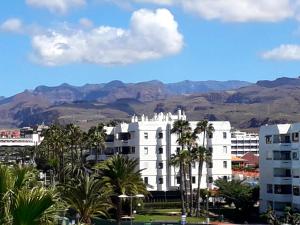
162	215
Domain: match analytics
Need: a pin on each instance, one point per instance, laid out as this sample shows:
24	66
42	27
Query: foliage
241	195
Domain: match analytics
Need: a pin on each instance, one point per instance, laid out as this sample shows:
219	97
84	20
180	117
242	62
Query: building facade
151	141
279	167
243	142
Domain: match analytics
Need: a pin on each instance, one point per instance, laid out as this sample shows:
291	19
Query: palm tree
32	207
120	173
74	138
200	154
96	138
180	127
20	202
87	196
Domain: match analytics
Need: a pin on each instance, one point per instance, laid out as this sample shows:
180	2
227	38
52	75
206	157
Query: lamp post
131	197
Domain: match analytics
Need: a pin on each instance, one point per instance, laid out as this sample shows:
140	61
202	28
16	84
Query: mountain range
245	105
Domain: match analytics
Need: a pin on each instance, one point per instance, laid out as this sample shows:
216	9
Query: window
146	135
160	150
210	150
193	165
283	189
268	139
146	150
160	180
270	188
146	180
224	164
210	180
132	150
282	172
178	180
296	173
282	138
177	150
225	149
281	206
193	180
224	135
295	156
296	190
160	135
210	165
210	135
269	155
160	165
225	178
282	155
295	137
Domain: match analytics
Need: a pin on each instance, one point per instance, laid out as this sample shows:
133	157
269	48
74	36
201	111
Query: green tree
88	196
205	128
96	139
181	127
201	155
120	173
242	195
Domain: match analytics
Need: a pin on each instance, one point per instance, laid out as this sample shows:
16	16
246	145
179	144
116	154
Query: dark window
295	137
160	165
210	135
282	138
210	149
224	135
124	136
269	139
146	135
178	180
210	165
210	180
160	180
193	180
270	188
125	150
284	189
177	150
296	190
224	164
160	135
109	138
132	150
146	180
225	178
160	150
282	172
295	156
281	155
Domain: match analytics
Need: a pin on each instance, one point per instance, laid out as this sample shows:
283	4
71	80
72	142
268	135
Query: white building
151	141
279	166
243	142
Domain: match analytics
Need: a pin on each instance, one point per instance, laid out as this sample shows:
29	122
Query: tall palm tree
200	154
120	173
87	196
74	139
180	127
96	138
206	128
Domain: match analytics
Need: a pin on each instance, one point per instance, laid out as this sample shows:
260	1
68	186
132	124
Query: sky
49	42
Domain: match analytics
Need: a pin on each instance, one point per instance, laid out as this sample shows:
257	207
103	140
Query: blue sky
51	42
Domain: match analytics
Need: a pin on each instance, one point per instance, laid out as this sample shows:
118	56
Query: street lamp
131	197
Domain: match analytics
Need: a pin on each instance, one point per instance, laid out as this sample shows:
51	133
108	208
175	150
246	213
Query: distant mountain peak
279	82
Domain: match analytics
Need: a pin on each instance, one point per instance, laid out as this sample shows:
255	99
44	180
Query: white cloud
152	35
86	23
14	25
240	10
286	52
60	6
233	10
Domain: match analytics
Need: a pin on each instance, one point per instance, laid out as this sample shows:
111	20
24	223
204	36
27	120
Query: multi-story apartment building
279	166
243	142
151	141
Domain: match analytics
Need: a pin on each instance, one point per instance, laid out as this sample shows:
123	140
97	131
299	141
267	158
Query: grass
156	215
